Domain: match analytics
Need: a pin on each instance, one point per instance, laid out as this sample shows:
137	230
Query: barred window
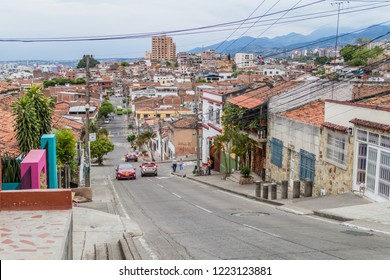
307	165
336	148
277	152
362	135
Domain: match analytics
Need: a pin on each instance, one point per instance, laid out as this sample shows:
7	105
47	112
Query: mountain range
321	38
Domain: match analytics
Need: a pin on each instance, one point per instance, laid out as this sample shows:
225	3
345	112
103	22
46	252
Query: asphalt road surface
183	219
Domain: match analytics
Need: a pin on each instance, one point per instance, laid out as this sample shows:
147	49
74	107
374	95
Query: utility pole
87	150
338	4
160	132
197	125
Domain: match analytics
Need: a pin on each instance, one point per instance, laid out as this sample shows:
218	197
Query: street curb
238	193
331	216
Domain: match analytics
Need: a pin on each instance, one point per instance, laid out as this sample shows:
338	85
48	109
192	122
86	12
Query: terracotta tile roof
60	122
187	122
310	113
8	142
382	101
369	124
259	96
335	126
6	87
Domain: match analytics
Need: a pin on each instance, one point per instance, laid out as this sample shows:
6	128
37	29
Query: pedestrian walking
174	164
209	166
181	164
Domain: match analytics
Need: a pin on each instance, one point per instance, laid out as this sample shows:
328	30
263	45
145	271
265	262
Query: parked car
131	157
125	171
107	120
148	168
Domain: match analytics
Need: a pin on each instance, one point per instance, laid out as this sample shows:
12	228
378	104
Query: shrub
245	171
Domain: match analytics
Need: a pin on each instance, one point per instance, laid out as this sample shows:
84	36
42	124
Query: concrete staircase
123	249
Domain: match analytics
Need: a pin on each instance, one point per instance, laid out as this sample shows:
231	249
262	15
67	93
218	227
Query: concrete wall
334	178
341	114
295	136
184	142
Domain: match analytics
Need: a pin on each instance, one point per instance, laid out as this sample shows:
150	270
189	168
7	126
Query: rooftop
311	113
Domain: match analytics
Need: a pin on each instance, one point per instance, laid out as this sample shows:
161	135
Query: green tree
321	60
131	138
125	64
102	132
105	109
83	62
26	124
33	118
66	146
358	55
100	147
146	138
44	107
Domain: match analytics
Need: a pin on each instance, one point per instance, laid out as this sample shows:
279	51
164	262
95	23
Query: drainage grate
357	233
250	214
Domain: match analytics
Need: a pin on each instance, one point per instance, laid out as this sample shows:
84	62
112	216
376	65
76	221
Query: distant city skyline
34	19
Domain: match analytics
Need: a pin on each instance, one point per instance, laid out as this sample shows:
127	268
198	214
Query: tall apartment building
163	48
244	59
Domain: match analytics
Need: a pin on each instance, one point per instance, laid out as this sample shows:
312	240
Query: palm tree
26	124
221	144
241	145
148	136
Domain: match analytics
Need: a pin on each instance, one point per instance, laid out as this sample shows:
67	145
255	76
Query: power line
239	26
250	27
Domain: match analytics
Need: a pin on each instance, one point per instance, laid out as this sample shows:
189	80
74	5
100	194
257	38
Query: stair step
101	252
128	242
114	251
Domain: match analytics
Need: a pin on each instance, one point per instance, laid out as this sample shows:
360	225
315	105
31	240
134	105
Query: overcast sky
34	19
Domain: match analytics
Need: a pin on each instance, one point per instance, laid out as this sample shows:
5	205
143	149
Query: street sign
92	136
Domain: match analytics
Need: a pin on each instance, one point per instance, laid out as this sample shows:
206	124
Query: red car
131	156
148	168
125	171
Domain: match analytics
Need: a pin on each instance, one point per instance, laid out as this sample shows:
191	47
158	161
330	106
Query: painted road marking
263	231
204	209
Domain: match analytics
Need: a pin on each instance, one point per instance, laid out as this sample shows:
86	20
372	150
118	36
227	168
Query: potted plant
10	172
254	125
245	176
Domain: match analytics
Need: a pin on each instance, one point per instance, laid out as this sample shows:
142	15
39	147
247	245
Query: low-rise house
182	137
338	145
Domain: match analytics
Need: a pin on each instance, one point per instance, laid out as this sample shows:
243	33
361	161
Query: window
384	175
362	135
306	165
373	138
385	141
218	116
211	111
362	163
336	148
277	152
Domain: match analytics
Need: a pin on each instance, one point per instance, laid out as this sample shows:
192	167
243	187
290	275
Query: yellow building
163	113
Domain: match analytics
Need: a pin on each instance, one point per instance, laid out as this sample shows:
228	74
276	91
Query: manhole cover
357	233
249	214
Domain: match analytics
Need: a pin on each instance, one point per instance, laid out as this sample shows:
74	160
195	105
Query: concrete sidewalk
350	208
98	222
